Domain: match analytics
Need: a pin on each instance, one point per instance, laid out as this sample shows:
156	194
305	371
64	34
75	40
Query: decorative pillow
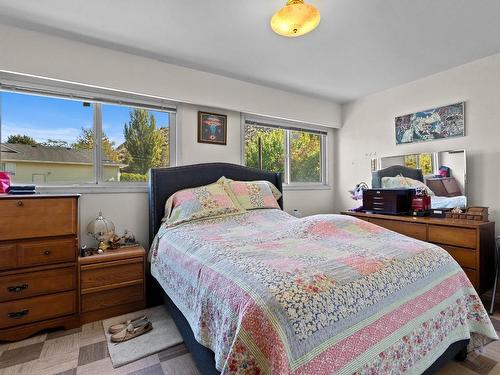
253	195
394	182
404	182
418	184
201	202
276	193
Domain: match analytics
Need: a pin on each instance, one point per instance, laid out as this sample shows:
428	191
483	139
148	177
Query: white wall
35	53
368	129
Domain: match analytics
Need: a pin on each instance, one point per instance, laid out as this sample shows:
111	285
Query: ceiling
360	46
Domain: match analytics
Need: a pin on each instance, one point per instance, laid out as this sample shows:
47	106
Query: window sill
143	188
95	189
298	187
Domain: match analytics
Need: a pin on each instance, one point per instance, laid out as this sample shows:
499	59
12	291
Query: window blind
13	82
284	124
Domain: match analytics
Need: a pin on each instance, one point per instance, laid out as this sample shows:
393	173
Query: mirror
443	172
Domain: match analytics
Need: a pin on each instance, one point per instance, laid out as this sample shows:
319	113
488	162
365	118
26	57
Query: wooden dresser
471	243
112	283
38	269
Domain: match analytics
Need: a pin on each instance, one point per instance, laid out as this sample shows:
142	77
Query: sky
45	118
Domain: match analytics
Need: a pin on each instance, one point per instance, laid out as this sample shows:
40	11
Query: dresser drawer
36	283
464	257
456	236
33	309
109	273
472	275
413	230
8	256
112	297
32	253
33	217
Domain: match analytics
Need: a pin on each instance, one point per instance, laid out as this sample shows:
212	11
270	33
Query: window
299	154
56	139
39	138
422	161
137	138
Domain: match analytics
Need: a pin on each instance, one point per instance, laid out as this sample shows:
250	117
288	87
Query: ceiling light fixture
295	18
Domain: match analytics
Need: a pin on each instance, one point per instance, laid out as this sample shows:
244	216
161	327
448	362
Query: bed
416	174
265	292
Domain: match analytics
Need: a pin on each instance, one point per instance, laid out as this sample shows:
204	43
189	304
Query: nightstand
112	283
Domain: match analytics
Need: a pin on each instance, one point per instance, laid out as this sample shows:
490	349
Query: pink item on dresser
4	182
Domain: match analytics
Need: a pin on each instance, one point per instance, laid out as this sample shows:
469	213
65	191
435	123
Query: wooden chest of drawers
391	201
38	269
112	283
470	243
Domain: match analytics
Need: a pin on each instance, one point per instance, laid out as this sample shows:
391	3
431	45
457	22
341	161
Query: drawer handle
18	314
17	288
20	203
47	252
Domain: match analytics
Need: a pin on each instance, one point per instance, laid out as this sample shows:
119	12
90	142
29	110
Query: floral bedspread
326	294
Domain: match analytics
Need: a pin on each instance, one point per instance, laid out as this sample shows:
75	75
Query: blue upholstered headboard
393	171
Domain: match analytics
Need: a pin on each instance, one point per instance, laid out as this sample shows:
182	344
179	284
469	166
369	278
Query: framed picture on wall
212	128
431	124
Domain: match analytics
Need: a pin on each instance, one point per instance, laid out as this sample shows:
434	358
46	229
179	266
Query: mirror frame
376	164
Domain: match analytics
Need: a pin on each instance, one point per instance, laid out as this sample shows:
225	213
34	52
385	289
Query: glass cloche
102	230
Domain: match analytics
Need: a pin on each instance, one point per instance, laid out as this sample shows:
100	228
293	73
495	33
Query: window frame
96	96
288	127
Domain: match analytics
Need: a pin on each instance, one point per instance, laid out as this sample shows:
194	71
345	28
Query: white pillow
418	184
404	182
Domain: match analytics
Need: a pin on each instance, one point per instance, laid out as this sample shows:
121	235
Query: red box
421	203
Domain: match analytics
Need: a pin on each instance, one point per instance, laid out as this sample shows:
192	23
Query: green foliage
21	139
133	177
421	161
165	149
143	142
305	157
273	148
425	163
305	152
85	141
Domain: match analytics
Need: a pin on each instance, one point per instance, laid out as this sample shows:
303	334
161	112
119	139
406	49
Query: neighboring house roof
13	152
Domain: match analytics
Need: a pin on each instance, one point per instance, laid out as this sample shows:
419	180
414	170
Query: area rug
163	336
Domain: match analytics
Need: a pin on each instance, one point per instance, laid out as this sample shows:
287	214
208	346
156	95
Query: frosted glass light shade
101	229
295	18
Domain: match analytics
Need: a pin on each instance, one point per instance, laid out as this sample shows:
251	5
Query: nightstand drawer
46	252
36	308
22	285
456	236
112	297
32	217
110	273
464	257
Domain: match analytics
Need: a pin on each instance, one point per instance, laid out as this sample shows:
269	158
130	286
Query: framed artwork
212	128
436	123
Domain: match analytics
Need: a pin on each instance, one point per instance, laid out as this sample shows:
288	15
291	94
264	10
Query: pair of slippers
129	329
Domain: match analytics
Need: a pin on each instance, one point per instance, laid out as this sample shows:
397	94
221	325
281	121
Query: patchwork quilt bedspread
326	294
